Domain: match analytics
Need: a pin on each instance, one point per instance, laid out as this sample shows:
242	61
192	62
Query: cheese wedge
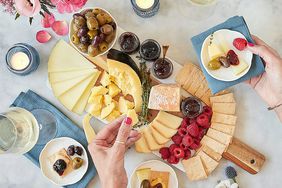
224	108
81	104
158	137
194	168
163	130
219	136
113	90
55	77
65	58
197	80
238	69
227	98
213	144
223	118
70	98
210	152
209	163
141	145
168	120
88	130
62	87
228	129
151	142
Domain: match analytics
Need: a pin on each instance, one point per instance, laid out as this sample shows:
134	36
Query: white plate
46	167
158	166
225	74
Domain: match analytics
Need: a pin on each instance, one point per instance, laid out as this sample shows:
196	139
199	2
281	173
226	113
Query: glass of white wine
19	131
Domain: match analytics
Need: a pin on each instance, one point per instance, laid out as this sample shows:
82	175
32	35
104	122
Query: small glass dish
146	13
191	107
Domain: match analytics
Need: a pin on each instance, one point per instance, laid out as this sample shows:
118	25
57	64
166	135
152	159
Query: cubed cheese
99	90
107	110
105	80
133	115
95	99
107	99
113	90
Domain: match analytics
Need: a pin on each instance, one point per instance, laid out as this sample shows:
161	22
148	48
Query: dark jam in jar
150	50
191	107
162	69
129	42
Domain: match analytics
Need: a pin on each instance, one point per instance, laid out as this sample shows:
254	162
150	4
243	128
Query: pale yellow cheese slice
55	77
81	104
223	98
224	108
219	136
141	145
223	118
62	87
209	163
228	129
151	142
70	98
133	115
238	69
194	168
88	130
65	58
168	120
213	144
158	137
163	130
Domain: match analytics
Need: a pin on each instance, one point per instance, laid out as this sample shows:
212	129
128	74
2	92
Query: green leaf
42	14
45	8
30	20
17	16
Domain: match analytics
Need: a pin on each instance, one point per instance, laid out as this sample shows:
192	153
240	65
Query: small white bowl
226	74
110	45
54	146
158	166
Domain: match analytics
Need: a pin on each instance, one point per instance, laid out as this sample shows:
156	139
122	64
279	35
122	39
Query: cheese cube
107	110
130	105
99	90
122	107
132	114
105	80
113	115
113	90
95	99
94	110
165	97
107	99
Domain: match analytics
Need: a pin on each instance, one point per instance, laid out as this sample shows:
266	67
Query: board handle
244	156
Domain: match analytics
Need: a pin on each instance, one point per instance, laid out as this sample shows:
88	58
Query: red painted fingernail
250	44
128	121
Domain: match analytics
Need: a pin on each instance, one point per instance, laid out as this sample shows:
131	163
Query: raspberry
184	147
182	132
178	152
193	120
184	124
173	160
196	144
187	140
164	152
172	147
203	120
177	139
193	129
186	119
202	133
208	111
240	43
232	58
187	154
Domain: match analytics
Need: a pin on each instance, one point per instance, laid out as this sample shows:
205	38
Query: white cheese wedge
168	120
70	98
55	77
214	51
220	39
238	69
62	87
219	136
65	58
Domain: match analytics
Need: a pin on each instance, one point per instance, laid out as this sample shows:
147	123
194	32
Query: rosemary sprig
146	85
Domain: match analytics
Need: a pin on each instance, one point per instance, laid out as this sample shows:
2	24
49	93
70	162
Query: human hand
108	151
269	84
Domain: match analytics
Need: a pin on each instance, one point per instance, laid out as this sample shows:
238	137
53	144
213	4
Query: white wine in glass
19	131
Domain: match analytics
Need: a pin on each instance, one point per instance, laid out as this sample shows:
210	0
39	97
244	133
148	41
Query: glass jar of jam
129	42
191	107
150	50
162	68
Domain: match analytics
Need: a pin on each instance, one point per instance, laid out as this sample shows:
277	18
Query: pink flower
28	8
48	20
68	5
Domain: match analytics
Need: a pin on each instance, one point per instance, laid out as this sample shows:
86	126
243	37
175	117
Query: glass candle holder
145	8
22	59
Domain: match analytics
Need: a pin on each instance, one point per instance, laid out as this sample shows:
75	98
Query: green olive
82	47
75	28
92	23
79	21
101	19
110	38
77	163
145	184
214	64
97	11
92	34
103	46
92	51
89	15
109	19
75	39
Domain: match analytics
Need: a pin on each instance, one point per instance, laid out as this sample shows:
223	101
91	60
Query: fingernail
128	121
250	44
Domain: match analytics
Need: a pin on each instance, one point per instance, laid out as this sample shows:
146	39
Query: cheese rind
168	120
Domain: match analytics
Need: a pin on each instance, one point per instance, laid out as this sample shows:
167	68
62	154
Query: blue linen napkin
65	128
236	23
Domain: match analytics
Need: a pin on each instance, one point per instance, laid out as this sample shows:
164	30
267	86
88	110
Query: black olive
78	150
59	166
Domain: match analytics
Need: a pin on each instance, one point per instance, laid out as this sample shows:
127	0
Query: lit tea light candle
145	4
19	61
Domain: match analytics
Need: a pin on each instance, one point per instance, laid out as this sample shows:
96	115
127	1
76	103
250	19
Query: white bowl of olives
93	31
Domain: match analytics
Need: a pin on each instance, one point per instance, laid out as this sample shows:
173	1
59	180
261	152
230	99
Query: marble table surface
176	22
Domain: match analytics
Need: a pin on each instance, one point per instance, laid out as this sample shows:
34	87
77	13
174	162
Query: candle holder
146	13
29	52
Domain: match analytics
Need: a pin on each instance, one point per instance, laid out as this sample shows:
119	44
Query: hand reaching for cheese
108	151
268	85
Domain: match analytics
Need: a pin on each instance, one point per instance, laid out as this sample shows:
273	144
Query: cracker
206	97
190	79
223	98
194	168
210	152
196	83
213	144
224	108
228	129
224	118
209	163
219	136
203	88
181	77
164	176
